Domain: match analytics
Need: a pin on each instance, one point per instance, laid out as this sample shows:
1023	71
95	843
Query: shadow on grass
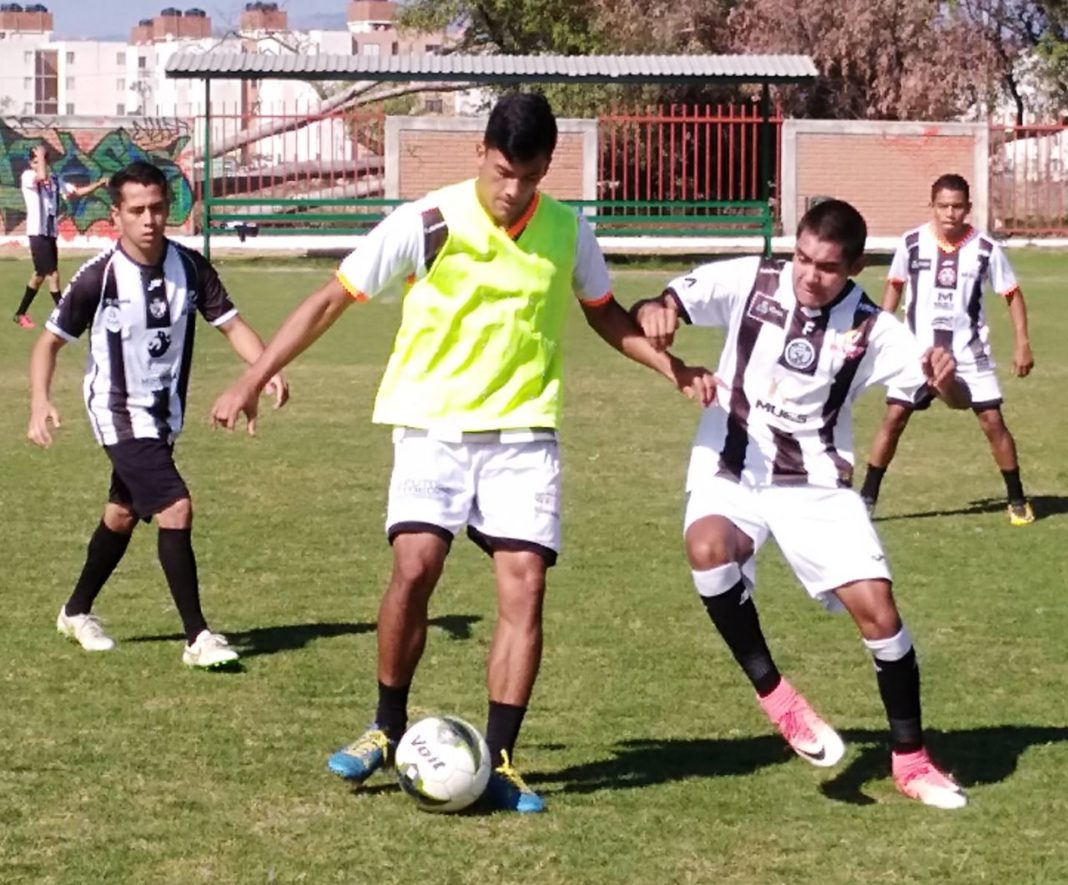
974	756
291	637
1043	505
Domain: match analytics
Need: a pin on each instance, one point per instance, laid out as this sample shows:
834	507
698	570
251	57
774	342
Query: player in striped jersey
774	457
945	264
139	301
41	191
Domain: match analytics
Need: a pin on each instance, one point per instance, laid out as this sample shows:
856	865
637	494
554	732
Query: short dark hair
522	127
137	172
39	148
950	182
836	221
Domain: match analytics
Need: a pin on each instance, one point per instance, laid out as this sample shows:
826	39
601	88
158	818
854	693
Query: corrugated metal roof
498	68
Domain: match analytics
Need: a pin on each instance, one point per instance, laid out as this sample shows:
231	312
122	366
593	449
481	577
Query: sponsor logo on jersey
779	412
767	310
916	264
159	345
799	354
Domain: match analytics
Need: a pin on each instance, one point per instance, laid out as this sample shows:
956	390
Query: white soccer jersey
42	202
141	322
944	302
793	373
403	246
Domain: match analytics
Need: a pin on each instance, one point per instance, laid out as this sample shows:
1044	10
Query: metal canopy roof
497	68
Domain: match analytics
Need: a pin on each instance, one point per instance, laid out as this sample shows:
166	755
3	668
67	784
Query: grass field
643	735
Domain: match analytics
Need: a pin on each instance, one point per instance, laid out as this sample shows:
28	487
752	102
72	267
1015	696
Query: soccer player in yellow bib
473	391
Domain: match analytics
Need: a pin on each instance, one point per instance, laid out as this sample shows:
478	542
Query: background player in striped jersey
139	302
946	263
802	343
41	191
473	390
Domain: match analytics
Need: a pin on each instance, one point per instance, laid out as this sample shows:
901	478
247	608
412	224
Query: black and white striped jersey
141	329
42	202
793	373
944	300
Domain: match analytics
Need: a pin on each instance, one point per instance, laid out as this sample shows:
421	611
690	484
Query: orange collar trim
516	229
945	245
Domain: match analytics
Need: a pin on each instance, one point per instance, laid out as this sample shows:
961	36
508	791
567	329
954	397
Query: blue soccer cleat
507	791
371	751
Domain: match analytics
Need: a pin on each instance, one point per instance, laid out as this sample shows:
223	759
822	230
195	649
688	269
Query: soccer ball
442	763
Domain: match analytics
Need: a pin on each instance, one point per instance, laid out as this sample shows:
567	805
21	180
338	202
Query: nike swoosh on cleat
815	757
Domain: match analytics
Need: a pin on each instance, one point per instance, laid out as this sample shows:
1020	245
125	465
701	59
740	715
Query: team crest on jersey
947	273
159	345
767	310
157	307
113	318
799	354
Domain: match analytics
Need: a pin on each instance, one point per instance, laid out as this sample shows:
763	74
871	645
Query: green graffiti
80	165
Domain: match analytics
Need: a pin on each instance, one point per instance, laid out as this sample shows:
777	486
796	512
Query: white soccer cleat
208	651
86	630
917	777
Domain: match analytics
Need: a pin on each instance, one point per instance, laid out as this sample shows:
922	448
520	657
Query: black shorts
45	255
144	477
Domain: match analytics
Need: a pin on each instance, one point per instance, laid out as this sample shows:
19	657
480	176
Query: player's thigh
144	477
431	487
826	537
519	497
713	506
986	395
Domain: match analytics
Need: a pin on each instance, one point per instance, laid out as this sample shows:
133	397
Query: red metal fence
1029	179
686	152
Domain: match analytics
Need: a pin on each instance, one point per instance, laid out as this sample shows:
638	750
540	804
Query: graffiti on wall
82	154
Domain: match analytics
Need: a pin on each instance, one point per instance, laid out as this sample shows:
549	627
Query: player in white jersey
473	390
946	264
42	190
773	456
139	301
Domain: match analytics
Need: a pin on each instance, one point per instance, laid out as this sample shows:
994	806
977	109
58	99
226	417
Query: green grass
643	736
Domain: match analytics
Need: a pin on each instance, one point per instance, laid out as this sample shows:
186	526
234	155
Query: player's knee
718	580
708	550
897	419
878	623
178	515
119	519
416	568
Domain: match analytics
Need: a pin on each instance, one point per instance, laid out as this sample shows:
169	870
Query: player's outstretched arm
248	345
1023	361
609	320
941	371
42	368
312	318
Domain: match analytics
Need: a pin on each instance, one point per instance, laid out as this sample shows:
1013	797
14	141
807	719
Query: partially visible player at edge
945	264
802	343
139	301
473	389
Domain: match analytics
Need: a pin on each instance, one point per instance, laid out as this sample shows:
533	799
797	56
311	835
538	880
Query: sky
114	18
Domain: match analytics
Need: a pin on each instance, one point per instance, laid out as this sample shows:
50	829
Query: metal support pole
766	137
206	183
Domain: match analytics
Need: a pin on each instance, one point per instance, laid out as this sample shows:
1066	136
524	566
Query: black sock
392	715
1013	485
502	729
105	550
55	295
872	480
27	300
899	686
739	626
175	547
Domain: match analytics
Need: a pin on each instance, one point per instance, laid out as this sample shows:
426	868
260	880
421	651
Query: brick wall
424	153
884	169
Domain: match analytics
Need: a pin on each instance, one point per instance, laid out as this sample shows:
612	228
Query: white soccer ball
442	763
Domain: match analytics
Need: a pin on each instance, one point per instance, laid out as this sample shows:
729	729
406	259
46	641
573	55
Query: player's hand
278	387
939	367
38	431
1023	360
659	319
696	382
230	405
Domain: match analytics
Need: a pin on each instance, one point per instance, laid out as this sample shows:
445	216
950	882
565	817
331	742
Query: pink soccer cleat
808	735
917	777
24	321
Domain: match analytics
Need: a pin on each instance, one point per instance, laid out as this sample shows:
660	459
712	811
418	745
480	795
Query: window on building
142	62
395	48
27	57
120	109
120	84
371	50
70	58
70	109
432	48
27	107
27	82
70	83
435	105
45	83
120	58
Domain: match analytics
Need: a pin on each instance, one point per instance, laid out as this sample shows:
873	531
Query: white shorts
507	494
982	384
825	534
